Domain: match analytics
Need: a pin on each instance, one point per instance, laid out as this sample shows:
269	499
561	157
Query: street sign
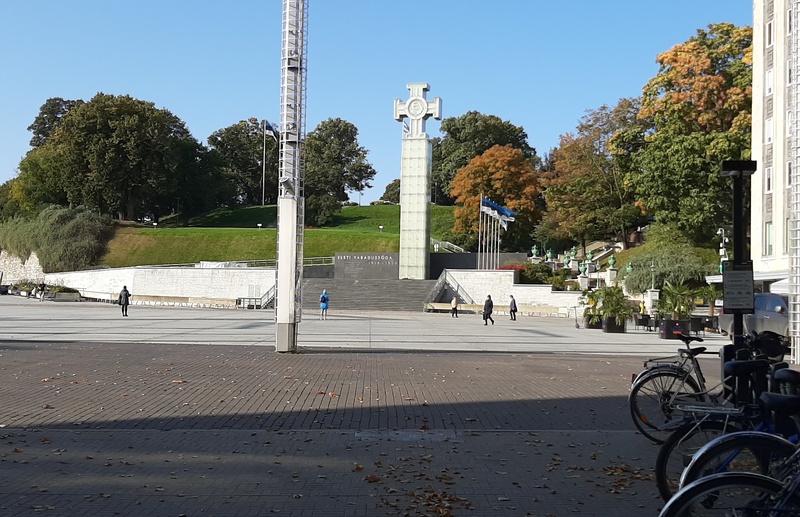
737	287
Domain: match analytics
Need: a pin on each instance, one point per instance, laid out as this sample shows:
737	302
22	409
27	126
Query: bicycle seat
787	381
788	404
687	338
694	352
737	368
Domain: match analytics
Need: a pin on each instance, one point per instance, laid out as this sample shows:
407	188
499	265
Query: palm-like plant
614	304
677	300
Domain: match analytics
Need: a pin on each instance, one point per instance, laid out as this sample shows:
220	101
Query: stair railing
447	246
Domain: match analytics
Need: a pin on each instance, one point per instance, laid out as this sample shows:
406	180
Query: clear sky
539	64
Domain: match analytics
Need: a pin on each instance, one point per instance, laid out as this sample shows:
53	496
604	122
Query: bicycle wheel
732	493
747	451
651	400
678	449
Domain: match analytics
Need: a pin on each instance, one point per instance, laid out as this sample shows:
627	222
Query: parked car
771	313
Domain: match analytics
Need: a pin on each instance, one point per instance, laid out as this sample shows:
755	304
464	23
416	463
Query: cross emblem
417	109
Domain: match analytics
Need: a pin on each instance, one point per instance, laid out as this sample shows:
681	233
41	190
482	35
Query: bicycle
664	382
741	493
754	451
685	442
667	382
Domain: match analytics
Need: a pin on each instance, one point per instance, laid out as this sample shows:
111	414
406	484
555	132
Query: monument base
286	337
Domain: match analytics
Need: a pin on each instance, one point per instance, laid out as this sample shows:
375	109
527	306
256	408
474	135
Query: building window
789	121
768	34
769	81
789	71
768	131
789	174
789	21
768	180
768	238
786	236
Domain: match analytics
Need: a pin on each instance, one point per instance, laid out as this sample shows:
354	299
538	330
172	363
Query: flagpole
480	220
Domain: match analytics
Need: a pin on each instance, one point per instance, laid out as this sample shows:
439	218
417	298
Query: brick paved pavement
120	428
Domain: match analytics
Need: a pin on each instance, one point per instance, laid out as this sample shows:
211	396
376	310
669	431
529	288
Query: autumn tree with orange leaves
507	177
699	106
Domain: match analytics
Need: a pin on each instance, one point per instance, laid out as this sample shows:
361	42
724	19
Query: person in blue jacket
324	299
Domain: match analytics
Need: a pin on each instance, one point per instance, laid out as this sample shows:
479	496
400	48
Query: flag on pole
502	214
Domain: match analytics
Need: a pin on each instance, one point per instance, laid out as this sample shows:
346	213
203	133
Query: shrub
64	239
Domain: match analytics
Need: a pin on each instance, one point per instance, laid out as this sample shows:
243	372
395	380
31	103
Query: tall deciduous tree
586	192
392	192
700	107
240	150
466	137
506	176
335	165
49	118
121	155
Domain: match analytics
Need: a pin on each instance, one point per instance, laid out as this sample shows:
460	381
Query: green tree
586	194
335	165
700	106
121	155
466	137
39	181
49	119
392	192
507	177
240	153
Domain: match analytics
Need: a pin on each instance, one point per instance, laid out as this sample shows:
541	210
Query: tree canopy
699	105
466	137
506	176
335	165
49	119
392	192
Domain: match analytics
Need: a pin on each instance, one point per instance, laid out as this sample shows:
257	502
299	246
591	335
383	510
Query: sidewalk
95	424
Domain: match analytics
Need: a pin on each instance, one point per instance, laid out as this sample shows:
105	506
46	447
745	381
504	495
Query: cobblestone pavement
149	429
181	412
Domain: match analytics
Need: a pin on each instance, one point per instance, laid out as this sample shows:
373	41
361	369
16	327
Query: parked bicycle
742	493
668	382
770	414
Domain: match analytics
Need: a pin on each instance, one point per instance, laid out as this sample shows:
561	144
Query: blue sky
538	64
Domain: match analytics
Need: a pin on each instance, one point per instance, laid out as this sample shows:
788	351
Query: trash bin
3	289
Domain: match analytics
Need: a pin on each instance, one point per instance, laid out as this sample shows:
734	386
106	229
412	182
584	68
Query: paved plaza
191	412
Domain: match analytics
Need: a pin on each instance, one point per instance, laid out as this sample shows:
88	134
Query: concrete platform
191	412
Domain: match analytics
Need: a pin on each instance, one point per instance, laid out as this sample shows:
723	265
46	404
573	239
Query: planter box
667	328
610	325
63	297
588	325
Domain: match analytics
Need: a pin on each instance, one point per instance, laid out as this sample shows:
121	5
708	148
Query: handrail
450	279
268	263
269	296
447	246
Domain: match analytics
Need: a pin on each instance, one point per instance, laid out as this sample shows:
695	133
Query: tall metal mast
290	179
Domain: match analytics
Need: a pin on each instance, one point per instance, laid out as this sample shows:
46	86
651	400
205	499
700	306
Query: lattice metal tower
288	293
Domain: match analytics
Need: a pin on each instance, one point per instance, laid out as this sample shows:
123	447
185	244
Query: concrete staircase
367	295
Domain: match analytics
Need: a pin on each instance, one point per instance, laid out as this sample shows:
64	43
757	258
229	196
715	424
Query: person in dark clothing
42	288
124	299
488	305
512	308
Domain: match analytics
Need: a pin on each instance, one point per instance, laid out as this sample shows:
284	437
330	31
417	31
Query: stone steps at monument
367	295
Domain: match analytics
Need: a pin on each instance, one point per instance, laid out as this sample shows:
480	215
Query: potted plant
615	309
592	319
676	304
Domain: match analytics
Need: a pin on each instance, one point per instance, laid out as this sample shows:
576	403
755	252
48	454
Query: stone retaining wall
15	270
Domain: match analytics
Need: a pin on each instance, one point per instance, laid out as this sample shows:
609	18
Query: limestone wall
174	286
537	298
15	270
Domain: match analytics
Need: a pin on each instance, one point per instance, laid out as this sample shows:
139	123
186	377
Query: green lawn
233	235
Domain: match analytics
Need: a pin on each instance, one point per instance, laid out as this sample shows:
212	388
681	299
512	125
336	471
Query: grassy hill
224	235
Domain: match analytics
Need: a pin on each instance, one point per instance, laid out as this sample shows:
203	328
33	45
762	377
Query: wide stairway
367	295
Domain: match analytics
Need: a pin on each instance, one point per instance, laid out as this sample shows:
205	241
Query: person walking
42	289
488	305
324	299
512	308
124	299
454	307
